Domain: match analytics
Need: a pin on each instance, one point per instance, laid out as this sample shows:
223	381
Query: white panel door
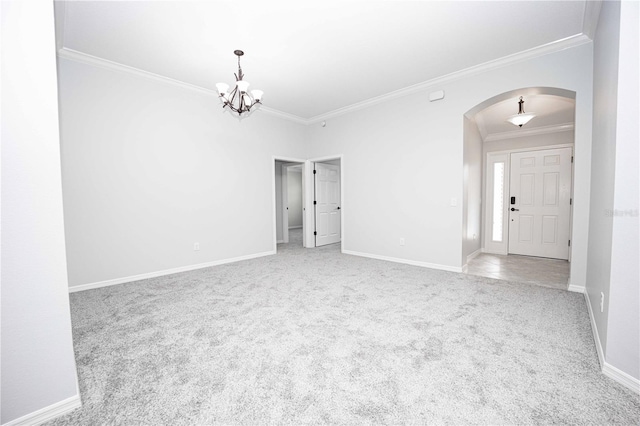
327	203
539	203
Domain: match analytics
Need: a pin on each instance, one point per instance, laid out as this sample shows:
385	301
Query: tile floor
533	270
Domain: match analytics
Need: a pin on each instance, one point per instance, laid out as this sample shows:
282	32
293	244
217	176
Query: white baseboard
498	252
279	241
621	377
295	227
594	330
155	274
576	288
607	369
405	261
48	413
470	257
473	255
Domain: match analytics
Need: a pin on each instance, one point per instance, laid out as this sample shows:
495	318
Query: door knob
338	207
514	210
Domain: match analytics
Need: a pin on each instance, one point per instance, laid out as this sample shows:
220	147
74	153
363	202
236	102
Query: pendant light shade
521	118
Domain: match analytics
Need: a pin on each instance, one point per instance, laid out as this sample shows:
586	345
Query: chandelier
239	100
521	118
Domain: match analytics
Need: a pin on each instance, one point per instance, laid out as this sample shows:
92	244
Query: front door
327	203
540	203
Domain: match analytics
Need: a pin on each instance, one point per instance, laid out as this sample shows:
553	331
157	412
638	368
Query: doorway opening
289	197
292	205
519	187
308	202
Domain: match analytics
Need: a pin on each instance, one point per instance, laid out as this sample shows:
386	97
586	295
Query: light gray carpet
316	337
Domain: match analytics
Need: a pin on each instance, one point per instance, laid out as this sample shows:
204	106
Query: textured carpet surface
317	337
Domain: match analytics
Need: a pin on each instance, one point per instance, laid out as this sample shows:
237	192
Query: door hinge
315	202
569	243
570	201
314	171
315	233
572	158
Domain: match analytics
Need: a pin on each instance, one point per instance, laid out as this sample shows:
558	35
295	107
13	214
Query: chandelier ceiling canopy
239	100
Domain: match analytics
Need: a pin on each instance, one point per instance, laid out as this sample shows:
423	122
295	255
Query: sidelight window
498	202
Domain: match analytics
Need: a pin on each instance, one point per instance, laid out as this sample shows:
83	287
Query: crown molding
535	52
545	49
529	132
590	18
482	128
74	55
60	17
281	114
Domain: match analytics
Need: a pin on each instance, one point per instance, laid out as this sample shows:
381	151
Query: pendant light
521	118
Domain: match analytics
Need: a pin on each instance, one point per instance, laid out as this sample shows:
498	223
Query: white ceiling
314	57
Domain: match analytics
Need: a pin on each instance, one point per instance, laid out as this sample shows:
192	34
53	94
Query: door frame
309	211
304	165
488	245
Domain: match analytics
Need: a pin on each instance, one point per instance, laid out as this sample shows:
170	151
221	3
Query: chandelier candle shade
239	100
521	118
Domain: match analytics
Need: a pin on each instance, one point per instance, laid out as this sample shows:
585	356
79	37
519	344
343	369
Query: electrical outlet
401	241
196	246
601	302
454	202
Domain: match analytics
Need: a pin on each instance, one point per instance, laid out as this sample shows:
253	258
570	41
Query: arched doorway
524	209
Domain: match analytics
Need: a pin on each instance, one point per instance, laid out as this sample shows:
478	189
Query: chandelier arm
233	94
238	101
234	109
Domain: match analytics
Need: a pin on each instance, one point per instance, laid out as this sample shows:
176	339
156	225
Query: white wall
472	164
613	232
404	161
38	366
623	342
150	168
294	181
605	89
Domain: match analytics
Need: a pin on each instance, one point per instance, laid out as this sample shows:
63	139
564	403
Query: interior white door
327	203
539	204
